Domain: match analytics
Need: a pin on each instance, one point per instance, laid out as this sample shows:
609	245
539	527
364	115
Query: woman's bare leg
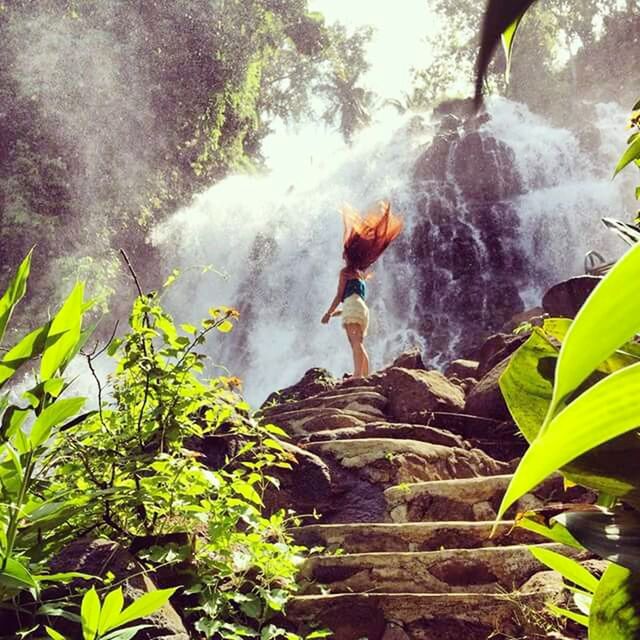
360	356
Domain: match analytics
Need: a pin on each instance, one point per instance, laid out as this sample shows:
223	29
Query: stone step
481	570
474	499
302	422
364	400
393	430
386	461
412	536
413	616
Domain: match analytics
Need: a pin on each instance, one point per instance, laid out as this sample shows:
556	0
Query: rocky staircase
407	485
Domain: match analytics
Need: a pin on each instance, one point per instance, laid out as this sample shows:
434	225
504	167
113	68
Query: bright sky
398	42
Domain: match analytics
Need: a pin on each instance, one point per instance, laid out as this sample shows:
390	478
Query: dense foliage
138	467
115	113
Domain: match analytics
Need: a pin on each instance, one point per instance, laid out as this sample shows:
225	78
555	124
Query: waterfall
274	240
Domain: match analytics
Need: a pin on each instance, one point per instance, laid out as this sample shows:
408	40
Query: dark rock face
485	400
565	298
467	246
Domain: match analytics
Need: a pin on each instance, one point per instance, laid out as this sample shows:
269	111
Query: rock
479	570
99	557
312	382
565	298
391	430
498	179
412	392
413	536
497	348
462	369
388	462
486	399
304	487
411	359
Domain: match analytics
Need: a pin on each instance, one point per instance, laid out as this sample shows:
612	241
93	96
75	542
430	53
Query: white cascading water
274	240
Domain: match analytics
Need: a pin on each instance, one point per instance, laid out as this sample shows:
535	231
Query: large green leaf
571	615
499	16
64	334
615	610
29	347
52	416
508	38
14	293
145	605
606	410
527	388
556	532
16	576
631	153
111	609
90	614
609	318
568	568
613	535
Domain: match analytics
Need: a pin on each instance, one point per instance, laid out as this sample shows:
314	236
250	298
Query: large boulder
462	369
565	298
411	393
410	359
485	399
304	487
496	348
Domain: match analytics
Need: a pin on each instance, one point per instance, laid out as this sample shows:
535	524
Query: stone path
413	487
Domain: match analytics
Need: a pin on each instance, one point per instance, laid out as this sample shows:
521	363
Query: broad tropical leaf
567	567
31	346
90	614
145	605
571	615
14	293
615	610
605	411
609	318
499	16
508	38
631	153
52	416
64	334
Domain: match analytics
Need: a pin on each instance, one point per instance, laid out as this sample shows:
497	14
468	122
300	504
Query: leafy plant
105	620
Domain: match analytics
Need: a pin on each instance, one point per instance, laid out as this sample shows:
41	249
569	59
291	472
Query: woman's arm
337	299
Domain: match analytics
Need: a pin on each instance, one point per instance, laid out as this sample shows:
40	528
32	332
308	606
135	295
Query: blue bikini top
356	286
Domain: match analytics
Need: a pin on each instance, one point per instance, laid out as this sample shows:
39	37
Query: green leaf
613	535
90	614
16	576
52	416
605	411
54	634
111	610
567	567
145	605
609	318
29	347
64	334
615	610
508	38
557	532
499	16
571	615
14	293
632	153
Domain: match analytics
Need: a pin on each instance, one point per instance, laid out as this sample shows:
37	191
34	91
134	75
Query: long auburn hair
366	237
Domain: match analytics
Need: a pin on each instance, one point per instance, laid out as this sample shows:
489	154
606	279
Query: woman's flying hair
366	237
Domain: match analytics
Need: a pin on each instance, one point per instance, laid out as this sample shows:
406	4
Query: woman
364	241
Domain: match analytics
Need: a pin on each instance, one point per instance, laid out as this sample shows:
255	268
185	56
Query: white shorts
355	311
